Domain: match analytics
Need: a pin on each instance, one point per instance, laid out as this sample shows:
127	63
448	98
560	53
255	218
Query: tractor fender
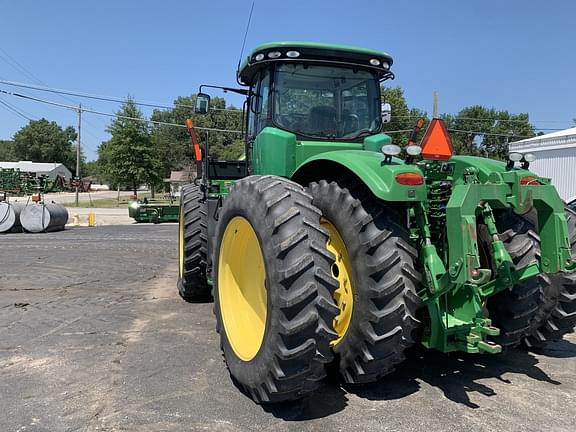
379	176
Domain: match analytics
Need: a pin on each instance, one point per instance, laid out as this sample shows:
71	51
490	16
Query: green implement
154	211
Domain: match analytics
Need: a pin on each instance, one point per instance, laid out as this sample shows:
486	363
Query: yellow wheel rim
342	271
181	242
242	288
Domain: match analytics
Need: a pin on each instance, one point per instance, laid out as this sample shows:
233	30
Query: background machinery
329	244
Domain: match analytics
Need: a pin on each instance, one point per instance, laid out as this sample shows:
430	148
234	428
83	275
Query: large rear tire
273	289
378	280
192	245
558	312
515	310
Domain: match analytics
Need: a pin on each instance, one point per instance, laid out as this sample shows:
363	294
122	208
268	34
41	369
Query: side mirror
202	103
386	112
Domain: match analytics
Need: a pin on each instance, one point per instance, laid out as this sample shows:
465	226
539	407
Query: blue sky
512	55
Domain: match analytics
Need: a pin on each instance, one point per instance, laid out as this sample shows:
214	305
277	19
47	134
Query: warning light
529	181
436	144
410	179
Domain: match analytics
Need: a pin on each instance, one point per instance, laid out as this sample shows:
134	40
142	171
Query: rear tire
273	289
558	313
192	245
514	311
383	280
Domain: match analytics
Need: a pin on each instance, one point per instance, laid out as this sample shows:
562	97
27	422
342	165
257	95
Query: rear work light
529	181
410	179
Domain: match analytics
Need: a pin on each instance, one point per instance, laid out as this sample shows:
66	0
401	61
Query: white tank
10	217
42	217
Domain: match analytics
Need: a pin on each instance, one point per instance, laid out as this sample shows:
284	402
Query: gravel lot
93	337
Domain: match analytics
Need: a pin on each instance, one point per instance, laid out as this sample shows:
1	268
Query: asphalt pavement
93	337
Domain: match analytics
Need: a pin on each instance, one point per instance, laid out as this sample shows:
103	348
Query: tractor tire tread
296	346
558	315
193	283
514	311
384	313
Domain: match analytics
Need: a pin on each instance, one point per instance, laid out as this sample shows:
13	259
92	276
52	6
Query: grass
106	202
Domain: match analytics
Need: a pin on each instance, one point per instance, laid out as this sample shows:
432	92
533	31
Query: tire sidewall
256	370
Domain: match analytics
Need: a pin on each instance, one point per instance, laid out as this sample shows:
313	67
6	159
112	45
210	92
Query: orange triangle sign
436	144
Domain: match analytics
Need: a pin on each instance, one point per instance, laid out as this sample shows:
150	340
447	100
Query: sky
511	55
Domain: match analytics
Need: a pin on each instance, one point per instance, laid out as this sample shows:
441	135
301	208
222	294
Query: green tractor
330	248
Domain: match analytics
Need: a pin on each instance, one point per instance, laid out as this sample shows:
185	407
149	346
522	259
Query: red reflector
410	179
436	144
529	181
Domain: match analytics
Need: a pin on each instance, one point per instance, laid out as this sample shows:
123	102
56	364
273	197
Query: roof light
375	62
413	150
436	144
259	57
409	179
274	54
529	157
515	157
391	150
292	54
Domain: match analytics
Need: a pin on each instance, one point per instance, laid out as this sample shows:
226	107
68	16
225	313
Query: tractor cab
315	91
307	98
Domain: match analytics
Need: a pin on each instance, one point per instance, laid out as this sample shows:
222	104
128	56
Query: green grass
106	202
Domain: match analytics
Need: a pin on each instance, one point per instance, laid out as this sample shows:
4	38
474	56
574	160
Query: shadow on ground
457	375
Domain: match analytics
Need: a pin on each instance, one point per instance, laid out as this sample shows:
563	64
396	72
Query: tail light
529	181
410	179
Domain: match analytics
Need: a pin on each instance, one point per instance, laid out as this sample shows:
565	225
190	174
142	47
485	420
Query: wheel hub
341	271
242	288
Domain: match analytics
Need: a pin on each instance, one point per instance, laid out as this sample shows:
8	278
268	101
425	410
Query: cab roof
313	52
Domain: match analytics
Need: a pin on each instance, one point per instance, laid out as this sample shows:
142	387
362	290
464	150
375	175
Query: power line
75	108
462	131
217	129
19	67
33	117
494	119
116	99
22	69
488	133
14	110
105	98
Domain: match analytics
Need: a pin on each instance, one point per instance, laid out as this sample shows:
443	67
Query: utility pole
78	152
435	105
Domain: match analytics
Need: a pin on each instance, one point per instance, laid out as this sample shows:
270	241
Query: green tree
129	157
477	130
7	151
91	169
44	141
173	143
403	117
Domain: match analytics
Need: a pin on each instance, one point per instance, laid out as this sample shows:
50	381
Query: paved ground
104	216
93	337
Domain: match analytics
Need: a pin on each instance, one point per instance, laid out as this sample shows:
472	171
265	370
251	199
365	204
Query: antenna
244	41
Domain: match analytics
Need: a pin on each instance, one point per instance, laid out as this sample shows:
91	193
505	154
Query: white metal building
555	158
50	169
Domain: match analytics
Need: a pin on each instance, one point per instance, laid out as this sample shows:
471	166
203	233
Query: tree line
140	152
